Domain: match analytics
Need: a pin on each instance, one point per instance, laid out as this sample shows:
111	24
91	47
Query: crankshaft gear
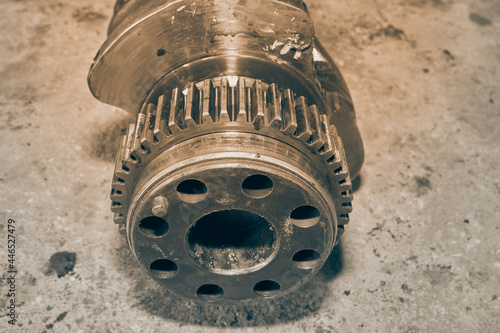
234	182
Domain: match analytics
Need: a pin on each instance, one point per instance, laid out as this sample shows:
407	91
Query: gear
235	104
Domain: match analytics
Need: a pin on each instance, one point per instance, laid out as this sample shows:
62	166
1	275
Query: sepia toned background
422	250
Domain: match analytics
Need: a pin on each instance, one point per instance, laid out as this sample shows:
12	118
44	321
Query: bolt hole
192	191
257	186
209	292
305	216
306	259
267	288
153	226
163	268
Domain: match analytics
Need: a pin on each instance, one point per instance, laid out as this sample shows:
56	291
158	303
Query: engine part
233	183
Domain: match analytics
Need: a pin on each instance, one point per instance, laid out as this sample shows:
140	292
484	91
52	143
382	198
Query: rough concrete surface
421	253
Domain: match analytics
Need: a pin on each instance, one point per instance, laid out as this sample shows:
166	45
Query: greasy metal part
233	183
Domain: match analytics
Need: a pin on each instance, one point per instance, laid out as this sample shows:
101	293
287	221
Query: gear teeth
176	116
128	164
119	178
317	139
120	156
343	177
257	105
289	115
122	229
327	151
128	142
232	101
135	137
130	154
304	131
208	103
225	105
343	219
347	207
119	219
344	205
120	211
346	196
118	190
119	161
273	115
116	195
160	130
148	138
336	139
117	207
118	186
340	231
245	103
217	106
242	99
192	107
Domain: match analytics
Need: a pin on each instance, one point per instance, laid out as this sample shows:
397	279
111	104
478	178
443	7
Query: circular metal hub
231	191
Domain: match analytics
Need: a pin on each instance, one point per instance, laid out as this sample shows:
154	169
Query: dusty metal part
233	184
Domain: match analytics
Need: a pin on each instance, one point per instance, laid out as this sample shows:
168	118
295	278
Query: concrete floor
421	253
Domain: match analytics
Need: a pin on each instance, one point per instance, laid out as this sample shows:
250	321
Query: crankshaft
234	181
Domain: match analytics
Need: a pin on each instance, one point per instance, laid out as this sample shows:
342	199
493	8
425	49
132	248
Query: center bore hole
231	240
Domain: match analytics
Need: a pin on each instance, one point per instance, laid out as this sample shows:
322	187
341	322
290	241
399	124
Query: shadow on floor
106	139
302	303
356	183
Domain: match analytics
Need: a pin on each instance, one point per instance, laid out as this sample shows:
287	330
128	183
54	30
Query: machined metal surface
234	182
